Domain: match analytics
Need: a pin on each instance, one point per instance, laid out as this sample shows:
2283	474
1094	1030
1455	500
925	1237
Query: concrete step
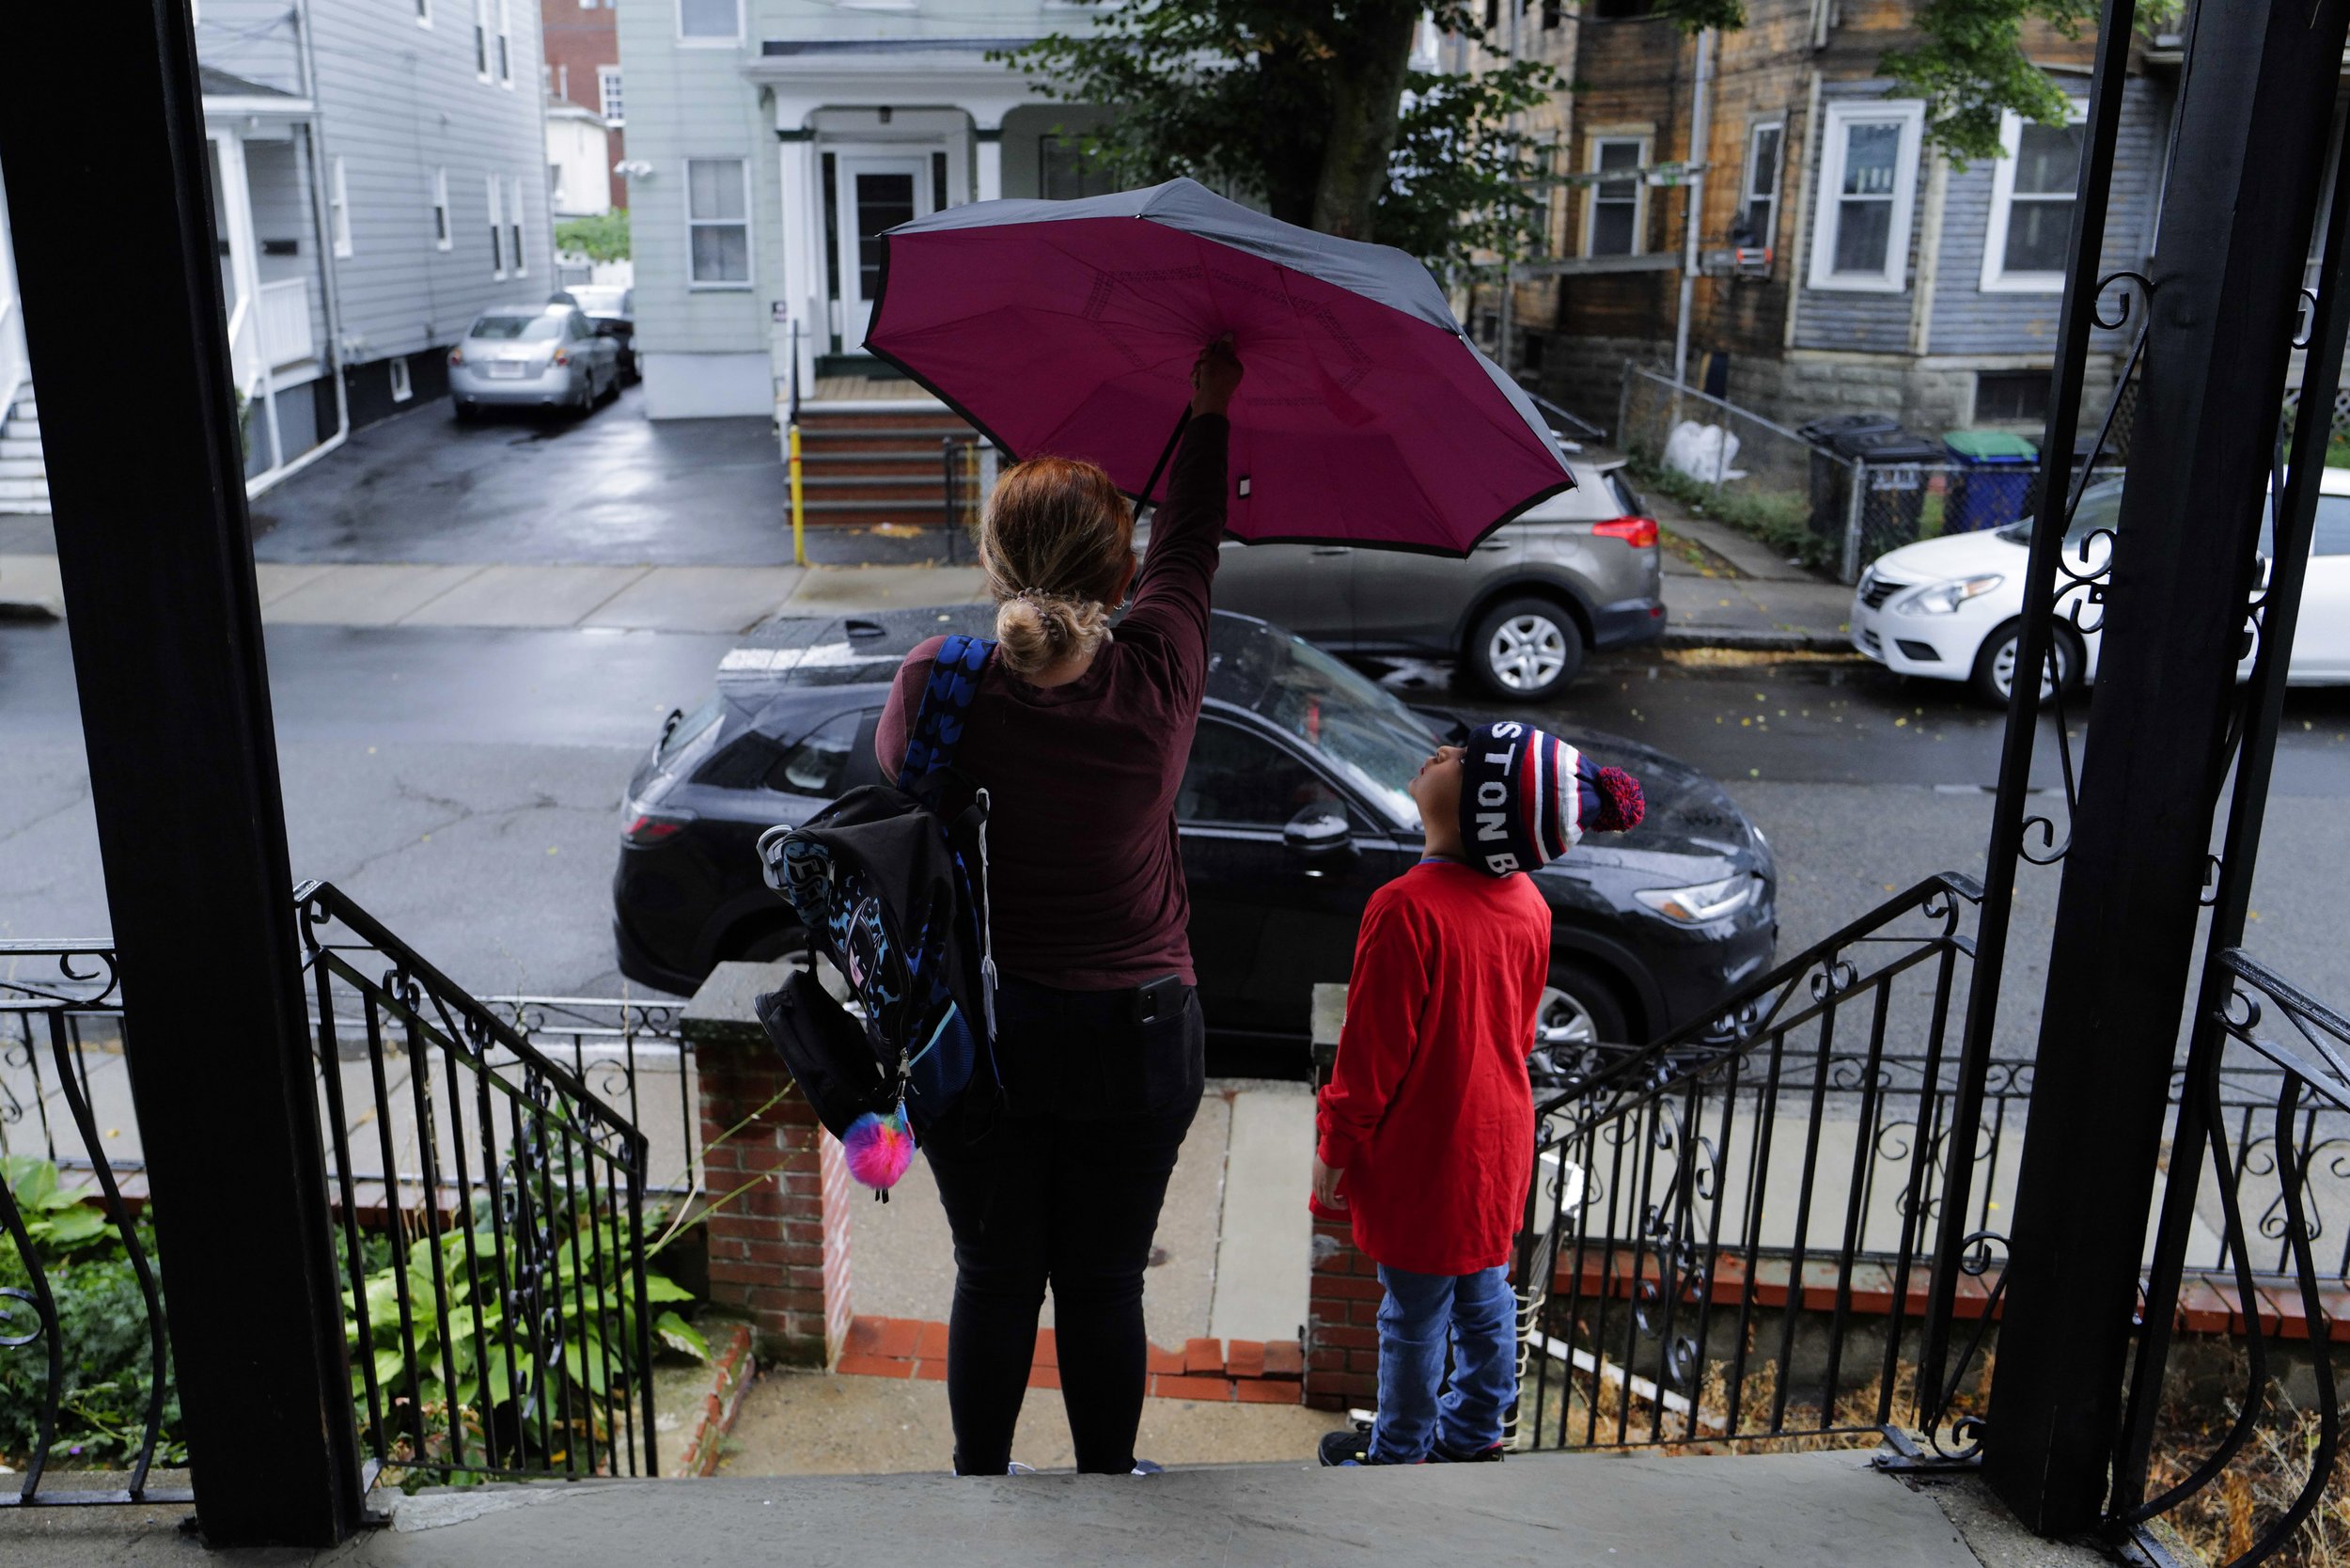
17	424
856	487
15	445
23	468
24	407
36	490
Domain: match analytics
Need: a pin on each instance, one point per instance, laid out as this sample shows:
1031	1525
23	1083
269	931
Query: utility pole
1700	126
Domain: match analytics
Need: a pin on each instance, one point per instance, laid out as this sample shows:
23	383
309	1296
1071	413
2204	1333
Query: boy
1427	1125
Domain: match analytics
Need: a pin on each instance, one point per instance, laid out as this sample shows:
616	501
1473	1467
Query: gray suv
1579	571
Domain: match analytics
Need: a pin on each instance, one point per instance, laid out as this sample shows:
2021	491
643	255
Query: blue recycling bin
1993	485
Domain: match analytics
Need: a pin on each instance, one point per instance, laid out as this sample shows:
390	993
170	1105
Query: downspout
1799	254
329	277
1701	127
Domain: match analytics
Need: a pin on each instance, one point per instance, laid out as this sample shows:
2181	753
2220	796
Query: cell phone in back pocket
1160	1000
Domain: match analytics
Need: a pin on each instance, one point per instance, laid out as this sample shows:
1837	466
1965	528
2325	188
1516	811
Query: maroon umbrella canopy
1069	328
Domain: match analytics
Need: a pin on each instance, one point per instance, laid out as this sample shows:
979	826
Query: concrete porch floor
1576	1511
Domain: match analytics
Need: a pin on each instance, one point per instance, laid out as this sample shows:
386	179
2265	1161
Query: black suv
1294	808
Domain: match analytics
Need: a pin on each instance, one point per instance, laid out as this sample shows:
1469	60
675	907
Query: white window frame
687	41
338	207
481	40
750	250
404	387
444	223
506	44
1747	196
1894	276
1643	140
517	218
497	231
611	89
1996	279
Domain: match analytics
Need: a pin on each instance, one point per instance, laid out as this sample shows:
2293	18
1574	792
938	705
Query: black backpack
890	884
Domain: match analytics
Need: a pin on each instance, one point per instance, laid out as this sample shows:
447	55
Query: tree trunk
1366	101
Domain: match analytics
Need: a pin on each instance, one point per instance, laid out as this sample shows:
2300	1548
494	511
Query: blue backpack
890	884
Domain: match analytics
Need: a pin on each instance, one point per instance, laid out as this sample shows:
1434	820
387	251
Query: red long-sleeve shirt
1429	1111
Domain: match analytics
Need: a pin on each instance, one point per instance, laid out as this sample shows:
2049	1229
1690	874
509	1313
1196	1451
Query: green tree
601	238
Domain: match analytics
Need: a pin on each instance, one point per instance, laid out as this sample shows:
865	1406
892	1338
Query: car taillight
1638	532
457	356
646	828
562	357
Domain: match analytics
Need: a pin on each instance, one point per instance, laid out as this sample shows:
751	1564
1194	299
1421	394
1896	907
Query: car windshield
526	329
2100	508
602	300
1362	730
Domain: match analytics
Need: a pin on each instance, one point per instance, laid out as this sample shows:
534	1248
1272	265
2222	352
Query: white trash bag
1704	452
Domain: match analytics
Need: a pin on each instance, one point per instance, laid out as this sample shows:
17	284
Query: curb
1773	642
731	1372
1218	1371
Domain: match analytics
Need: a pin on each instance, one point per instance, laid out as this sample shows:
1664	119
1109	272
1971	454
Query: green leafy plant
603	237
102	1328
1781	521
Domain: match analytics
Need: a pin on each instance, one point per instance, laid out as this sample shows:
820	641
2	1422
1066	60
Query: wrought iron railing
2263	1196
632	1056
490	1215
80	1422
1745	1215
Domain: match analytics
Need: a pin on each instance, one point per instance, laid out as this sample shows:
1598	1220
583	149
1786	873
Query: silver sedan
532	356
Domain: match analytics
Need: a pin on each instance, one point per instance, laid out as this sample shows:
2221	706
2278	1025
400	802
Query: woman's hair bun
1035	630
1057	543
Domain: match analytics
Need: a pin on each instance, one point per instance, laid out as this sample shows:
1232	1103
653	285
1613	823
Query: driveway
529	489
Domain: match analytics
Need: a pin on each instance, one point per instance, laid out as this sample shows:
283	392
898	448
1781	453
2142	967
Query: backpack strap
939	727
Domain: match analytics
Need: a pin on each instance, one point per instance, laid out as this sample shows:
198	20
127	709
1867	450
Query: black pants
1064	1188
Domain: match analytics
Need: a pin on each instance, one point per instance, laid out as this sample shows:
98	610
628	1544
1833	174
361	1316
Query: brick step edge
731	1370
1244	1372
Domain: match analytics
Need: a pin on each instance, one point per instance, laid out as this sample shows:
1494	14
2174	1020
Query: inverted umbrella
1070	327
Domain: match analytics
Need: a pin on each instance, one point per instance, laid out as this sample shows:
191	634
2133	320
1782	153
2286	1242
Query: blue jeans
1478	1314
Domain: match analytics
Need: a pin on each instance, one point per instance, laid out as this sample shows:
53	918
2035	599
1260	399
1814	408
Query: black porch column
2255	109
110	209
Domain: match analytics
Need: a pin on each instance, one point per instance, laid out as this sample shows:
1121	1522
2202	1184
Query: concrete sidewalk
614	598
1739	593
1557	1511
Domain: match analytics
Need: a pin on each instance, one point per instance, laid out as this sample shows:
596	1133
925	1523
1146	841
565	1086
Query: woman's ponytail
1055	544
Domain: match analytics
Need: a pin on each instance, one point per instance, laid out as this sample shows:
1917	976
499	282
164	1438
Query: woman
1080	739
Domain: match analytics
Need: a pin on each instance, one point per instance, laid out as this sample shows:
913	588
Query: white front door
876	192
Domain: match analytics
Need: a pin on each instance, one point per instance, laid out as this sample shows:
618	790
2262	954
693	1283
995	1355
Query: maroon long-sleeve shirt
1084	870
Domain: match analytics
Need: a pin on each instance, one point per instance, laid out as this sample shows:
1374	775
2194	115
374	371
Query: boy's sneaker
1439	1454
1147	1467
1351	1446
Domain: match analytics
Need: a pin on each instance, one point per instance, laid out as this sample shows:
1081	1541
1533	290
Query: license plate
508	369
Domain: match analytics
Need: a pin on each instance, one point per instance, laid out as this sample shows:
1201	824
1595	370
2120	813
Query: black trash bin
1894	496
1832	470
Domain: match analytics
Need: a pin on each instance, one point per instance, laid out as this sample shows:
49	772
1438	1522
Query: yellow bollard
799	537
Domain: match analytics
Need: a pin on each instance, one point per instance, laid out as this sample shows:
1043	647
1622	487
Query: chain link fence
1809	500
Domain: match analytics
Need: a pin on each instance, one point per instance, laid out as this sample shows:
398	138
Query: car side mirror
1318	832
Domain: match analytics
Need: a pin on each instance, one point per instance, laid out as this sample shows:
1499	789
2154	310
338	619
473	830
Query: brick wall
779	1246
1342	1322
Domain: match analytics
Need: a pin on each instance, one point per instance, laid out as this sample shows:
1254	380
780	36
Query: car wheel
464	411
1993	675
1525	650
1579	1016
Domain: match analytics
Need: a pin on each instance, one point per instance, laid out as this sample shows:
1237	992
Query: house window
443	235
2012	397
506	42
2031	205
710	21
514	229
403	388
717	223
609	94
338	208
1613	210
1063	173
1758	206
481	39
1868	186
497	231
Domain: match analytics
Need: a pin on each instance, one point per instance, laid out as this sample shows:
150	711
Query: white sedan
1951	609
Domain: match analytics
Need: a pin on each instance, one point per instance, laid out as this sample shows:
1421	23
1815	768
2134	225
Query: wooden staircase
878	461
23	480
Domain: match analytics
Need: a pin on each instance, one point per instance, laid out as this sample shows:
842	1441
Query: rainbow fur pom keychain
879	1148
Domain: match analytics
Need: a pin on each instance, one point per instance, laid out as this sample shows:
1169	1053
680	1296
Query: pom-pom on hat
1528	797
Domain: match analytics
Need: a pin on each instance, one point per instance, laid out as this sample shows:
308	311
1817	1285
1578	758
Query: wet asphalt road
464	786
